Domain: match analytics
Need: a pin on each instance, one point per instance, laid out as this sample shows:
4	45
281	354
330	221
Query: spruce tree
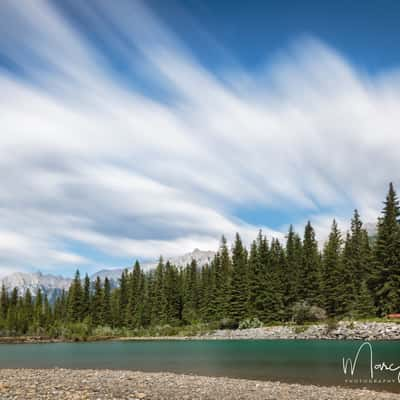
172	294
223	277
190	296
97	303
86	297
334	288
239	292
293	259
310	275
123	297
365	303
107	312
75	298
387	254
133	295
159	303
4	302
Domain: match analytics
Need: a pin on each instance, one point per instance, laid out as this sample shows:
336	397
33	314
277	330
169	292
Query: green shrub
300	329
303	312
228	323
249	323
331	324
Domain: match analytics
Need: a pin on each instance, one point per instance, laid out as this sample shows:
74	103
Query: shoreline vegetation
343	330
113	384
355	276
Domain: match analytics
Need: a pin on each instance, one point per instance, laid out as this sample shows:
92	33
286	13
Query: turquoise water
316	362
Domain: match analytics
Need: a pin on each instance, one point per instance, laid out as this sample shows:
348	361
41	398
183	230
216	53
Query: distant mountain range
53	285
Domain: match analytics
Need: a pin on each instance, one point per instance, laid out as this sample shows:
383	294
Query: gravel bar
73	384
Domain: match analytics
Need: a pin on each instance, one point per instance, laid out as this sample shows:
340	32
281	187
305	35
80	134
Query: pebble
71	384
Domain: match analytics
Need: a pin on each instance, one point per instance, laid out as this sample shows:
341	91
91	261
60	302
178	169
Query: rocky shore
26	384
343	330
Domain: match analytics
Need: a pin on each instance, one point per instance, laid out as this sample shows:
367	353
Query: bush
303	312
331	324
228	323
299	329
249	323
78	331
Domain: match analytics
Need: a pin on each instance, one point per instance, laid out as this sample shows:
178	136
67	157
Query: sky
133	129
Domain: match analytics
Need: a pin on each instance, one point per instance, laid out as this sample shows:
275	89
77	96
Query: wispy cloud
89	158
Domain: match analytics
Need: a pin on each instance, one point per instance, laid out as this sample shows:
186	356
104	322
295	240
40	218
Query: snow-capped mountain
52	285
202	258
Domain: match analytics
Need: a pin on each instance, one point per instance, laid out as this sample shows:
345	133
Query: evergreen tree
97	303
239	286
4	301
75	298
107	312
223	277
123	297
334	285
159	303
38	310
190	296
365	303
133	295
86	297
387	254
172	294
310	276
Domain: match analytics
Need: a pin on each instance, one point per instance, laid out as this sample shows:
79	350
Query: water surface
316	362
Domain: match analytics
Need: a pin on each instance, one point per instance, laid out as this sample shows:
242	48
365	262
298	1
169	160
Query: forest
353	275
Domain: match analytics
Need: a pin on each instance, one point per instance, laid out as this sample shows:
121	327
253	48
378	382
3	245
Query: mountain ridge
52	285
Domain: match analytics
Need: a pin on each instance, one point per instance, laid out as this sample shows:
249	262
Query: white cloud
83	158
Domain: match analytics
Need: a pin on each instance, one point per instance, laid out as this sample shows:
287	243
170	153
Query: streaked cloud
119	169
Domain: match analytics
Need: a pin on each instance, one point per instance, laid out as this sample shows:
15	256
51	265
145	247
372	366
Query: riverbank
26	384
342	331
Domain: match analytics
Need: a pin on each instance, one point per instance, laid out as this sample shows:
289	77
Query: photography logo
376	372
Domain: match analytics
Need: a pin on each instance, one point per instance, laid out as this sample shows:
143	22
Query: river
318	362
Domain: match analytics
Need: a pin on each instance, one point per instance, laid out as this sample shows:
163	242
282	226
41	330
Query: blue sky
133	129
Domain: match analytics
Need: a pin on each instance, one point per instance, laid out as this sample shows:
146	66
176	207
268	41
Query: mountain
202	258
52	285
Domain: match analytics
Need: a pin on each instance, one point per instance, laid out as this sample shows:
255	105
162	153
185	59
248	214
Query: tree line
354	275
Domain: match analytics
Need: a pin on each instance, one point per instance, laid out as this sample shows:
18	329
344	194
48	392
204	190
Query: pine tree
123	297
387	254
223	277
28	308
274	290
4	301
38	309
159	304
172	294
133	295
97	303
256	278
239	293
75	298
365	303
334	288
86	297
107	312
310	276
190	297
208	302
293	257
